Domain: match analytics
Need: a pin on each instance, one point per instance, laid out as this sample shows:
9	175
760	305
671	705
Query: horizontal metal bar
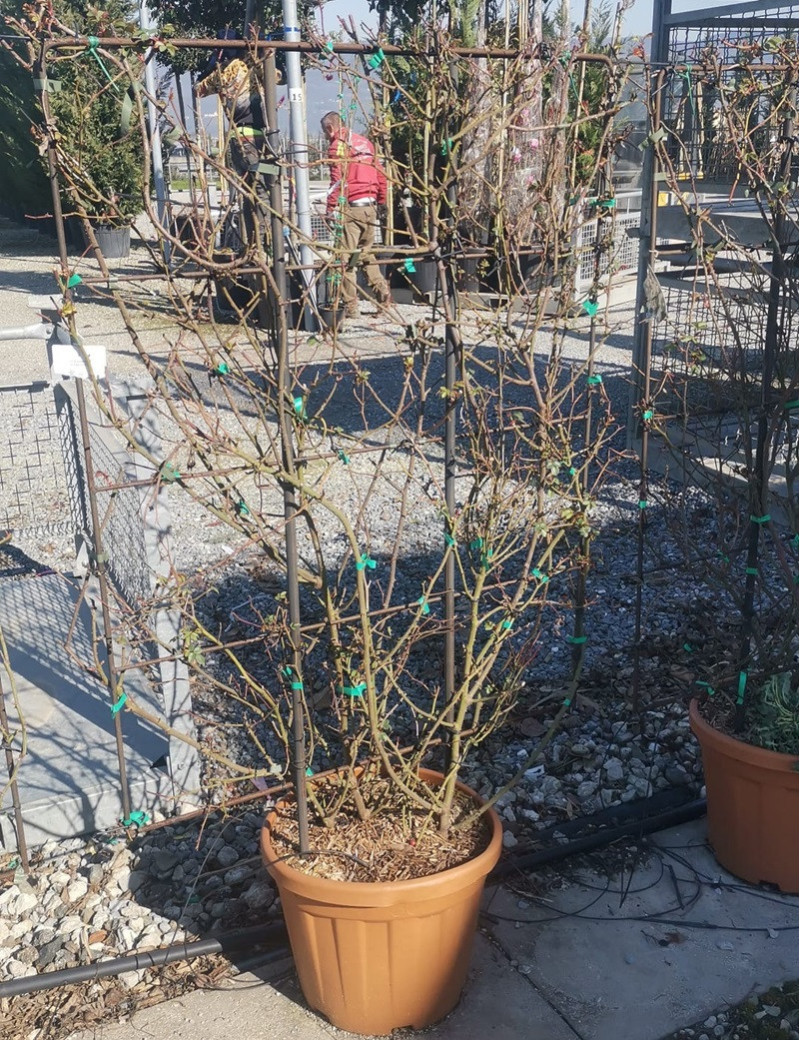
715	14
264	46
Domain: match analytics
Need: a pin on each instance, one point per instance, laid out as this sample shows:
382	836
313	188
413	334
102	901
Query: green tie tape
485	557
449	540
654	138
299	407
647	415
91	47
643	503
222	368
760	519
742	684
594	380
543	578
577	640
342	457
74	279
51	86
376	60
118	704
706	686
751	570
289	674
422	602
591	307
241	508
506	624
136	819
169	472
353	691
309	771
125	113
447	146
688	648
365	561
791	405
409	265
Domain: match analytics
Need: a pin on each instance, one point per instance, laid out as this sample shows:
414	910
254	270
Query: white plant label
66	360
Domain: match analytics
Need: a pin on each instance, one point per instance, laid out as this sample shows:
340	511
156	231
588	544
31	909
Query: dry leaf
531	727
97	937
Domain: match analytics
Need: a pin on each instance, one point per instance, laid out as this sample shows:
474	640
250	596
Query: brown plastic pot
373	957
752	806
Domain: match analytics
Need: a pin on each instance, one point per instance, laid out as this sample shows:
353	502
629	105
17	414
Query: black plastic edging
272	935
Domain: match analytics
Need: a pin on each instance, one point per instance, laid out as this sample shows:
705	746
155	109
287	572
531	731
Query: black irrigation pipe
644	825
274	936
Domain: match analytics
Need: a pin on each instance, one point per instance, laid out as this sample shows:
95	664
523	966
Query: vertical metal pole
299	156
452	358
99	564
643	377
289	462
148	22
758	486
22	846
97	549
642	329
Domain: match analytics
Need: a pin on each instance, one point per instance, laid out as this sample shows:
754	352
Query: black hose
275	936
670	818
261	935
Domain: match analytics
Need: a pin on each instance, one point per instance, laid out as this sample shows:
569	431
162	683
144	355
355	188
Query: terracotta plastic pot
752	806
373	957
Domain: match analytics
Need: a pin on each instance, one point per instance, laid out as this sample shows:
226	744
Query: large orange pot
752	806
373	957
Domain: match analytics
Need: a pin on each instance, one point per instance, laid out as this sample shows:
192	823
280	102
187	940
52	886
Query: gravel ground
91	898
766	1016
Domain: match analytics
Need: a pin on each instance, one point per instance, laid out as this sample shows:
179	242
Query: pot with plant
733	380
752	781
423	515
101	148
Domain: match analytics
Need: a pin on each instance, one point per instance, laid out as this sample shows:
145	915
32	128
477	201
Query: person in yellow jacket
249	154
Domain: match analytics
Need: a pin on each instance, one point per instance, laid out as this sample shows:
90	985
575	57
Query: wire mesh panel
692	104
119	508
712	326
732	252
621	257
36	488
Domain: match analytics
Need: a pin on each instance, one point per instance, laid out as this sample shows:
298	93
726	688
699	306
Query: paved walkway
662	945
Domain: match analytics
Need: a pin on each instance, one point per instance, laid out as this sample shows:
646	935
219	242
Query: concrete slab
596	960
498	1004
68	779
653	950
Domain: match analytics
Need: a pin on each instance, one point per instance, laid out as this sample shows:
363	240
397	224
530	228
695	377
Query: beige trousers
358	238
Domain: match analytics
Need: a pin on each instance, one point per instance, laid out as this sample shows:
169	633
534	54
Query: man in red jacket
358	187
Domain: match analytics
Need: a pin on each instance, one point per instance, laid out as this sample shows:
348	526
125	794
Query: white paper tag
295	95
67	361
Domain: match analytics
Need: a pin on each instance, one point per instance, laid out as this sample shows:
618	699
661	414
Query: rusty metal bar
98	561
262	47
22	846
